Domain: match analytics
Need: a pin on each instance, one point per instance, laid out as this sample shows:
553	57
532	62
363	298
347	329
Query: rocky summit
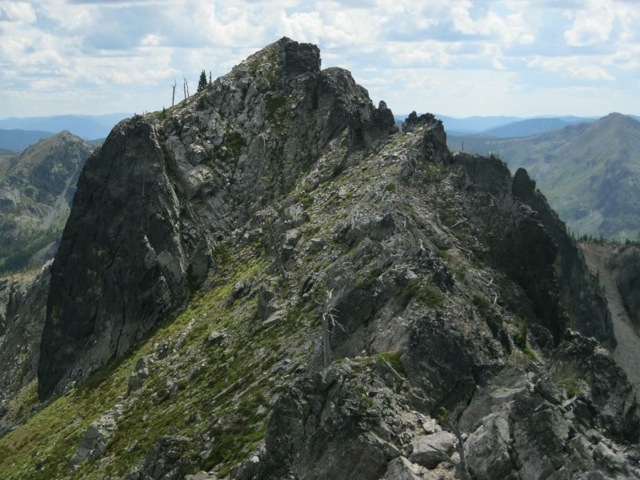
270	281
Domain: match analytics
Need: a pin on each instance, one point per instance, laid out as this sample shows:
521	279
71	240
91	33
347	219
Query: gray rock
429	451
93	441
201	476
402	469
448	284
487	449
139	375
611	461
22	306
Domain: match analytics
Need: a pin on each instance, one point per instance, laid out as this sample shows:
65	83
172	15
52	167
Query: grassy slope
43	446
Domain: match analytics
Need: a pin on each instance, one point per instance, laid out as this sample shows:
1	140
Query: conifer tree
202	83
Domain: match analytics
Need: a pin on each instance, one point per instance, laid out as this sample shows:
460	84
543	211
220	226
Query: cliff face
23	299
283	286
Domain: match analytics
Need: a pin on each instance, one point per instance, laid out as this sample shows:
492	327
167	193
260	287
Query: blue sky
452	57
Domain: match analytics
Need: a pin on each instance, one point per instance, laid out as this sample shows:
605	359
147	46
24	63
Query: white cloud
303	26
421	55
507	29
123	54
591	25
17	12
579	68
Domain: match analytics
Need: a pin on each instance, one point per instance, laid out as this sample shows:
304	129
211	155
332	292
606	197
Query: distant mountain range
503	126
87	127
16	140
36	189
532	126
589	172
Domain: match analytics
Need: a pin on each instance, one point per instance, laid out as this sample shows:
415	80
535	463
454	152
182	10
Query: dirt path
627	353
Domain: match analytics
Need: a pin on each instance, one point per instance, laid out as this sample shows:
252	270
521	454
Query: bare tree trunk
173	95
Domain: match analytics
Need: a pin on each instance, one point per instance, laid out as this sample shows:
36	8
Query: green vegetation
18	253
426	293
521	341
588	172
231	379
202	82
275	106
338	169
571	386
483	304
228	152
202	102
393	359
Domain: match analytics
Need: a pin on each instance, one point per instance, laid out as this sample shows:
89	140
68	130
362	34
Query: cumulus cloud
581	68
17	12
590	25
121	54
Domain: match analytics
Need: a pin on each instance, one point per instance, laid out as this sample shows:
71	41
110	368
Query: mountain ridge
588	172
270	281
36	190
15	140
87	127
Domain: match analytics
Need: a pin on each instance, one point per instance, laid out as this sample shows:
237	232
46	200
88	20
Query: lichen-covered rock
488	449
120	267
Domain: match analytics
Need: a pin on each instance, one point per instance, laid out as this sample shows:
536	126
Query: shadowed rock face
154	199
582	298
122	260
23	300
625	264
530	243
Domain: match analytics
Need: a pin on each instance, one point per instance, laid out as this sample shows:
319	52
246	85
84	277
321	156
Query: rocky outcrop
123	260
531	245
155	198
576	284
613	266
625	267
571	420
23	298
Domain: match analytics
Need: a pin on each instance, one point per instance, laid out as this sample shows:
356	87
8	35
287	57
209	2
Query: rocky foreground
270	281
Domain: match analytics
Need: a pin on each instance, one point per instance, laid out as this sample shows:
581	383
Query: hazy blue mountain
17	140
475	124
469	125
589	172
532	126
88	127
502	126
